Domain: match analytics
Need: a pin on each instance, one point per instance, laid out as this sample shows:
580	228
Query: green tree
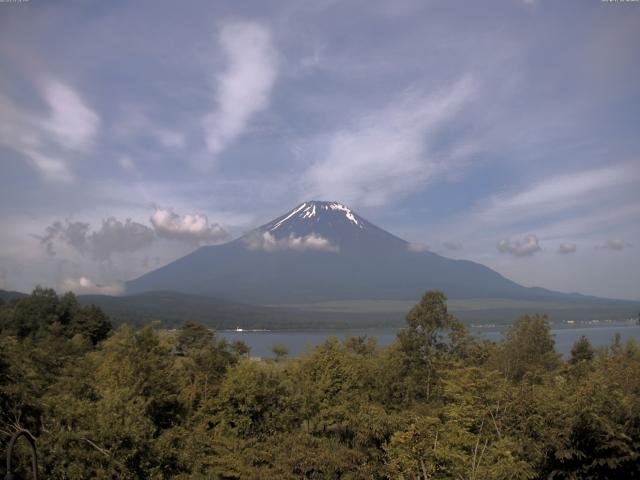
193	335
45	313
90	322
280	351
105	410
424	342
206	362
616	344
529	348
241	348
361	345
33	314
435	404
582	351
330	383
256	399
598	443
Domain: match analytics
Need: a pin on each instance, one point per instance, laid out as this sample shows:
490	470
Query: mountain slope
8	295
323	251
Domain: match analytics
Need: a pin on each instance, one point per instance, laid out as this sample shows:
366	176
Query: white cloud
386	154
614	244
243	89
418	247
73	124
566	248
265	241
519	248
84	286
191	227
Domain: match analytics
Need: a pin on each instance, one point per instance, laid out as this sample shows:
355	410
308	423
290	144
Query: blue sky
504	132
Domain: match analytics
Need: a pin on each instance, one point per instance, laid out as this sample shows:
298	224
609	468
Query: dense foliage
436	404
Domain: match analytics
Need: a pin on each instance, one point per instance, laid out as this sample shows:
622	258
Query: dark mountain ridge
322	251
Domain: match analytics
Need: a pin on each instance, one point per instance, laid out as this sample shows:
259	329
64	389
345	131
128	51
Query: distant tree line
435	404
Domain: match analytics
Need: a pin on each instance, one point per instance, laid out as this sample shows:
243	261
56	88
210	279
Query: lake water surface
298	341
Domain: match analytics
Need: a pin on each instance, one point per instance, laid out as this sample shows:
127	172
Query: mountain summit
322	251
334	222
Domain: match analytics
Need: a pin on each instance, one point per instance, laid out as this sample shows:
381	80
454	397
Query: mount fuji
323	251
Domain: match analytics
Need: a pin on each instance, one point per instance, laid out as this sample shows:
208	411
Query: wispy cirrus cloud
560	192
244	87
596	220
48	140
385	154
73	124
52	168
134	123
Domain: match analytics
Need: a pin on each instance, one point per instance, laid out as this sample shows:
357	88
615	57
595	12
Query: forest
104	402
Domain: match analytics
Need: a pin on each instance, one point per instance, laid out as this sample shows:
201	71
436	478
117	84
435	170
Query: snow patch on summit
293	212
309	212
348	213
316	210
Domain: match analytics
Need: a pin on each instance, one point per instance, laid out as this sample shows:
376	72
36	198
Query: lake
298	341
